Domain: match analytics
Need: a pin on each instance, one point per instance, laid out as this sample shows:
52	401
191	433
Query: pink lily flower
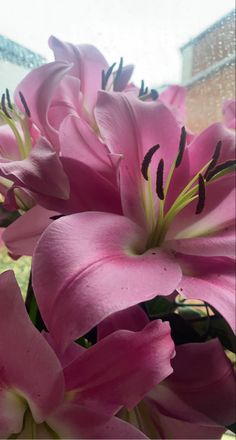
50	95
62	96
90	67
79	136
196	401
76	138
41	399
32	173
164	242
40	172
56	107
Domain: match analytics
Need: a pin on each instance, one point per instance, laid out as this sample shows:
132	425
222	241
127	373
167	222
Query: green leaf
189	312
218	328
6	217
181	330
159	307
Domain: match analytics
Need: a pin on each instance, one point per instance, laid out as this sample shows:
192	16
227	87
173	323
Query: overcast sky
147	33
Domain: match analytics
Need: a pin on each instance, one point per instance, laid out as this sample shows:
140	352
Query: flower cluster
127	327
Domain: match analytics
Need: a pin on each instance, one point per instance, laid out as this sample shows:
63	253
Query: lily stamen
159	180
106	75
15	131
24	103
201	194
117	75
221	168
9	103
4	107
147	160
142	89
10	114
215	158
192	191
145	170
153	94
182	144
144	93
187	196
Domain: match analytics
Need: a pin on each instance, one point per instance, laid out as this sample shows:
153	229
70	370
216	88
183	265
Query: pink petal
211	280
72	352
75	421
89	190
31	367
98	248
229	112
117	428
217	215
124	78
18	198
66	101
78	141
41	172
219	210
8	145
208	371
131	127
203	392
133	318
201	149
22	235
180	178
174	96
88	64
12	410
123	367
169	427
38	88
221	244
